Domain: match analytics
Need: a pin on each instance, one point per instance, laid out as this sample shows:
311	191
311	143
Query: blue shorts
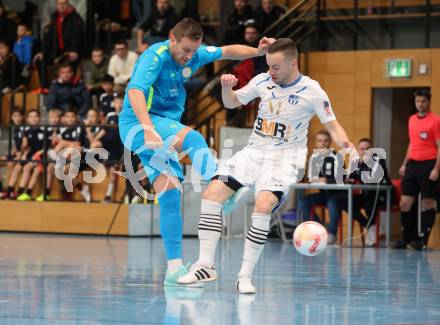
155	162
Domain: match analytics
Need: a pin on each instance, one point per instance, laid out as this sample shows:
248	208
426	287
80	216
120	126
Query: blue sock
199	153
171	223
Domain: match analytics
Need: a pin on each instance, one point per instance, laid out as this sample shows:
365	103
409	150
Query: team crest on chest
293	99
186	72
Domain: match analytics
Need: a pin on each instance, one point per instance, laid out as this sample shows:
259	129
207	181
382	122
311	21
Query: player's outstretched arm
338	134
228	81
241	52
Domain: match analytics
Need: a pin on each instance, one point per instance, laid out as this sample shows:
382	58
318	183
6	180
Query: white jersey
285	111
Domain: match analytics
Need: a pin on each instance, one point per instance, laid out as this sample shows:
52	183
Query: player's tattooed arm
338	134
228	81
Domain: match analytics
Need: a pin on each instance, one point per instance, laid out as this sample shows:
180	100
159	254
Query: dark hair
121	42
187	27
97	49
423	92
17	109
33	110
120	96
365	140
22	23
251	25
285	45
324	132
70	110
65	65
108	78
5	42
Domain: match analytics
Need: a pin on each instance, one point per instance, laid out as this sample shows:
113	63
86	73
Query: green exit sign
399	68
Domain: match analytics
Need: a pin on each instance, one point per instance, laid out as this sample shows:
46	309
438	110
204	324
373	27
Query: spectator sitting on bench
67	91
16	152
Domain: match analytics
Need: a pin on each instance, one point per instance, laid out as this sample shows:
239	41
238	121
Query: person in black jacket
9	68
323	166
365	204
67	92
159	24
266	14
8	30
237	21
62	37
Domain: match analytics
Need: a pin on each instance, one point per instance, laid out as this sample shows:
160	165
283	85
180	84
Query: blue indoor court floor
51	279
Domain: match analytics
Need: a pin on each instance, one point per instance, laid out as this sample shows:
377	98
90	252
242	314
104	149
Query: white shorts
269	170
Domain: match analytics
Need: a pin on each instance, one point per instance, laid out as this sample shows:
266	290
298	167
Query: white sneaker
85	192
331	240
244	285
236	200
198	273
371	236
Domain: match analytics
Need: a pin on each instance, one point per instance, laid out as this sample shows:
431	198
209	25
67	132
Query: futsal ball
310	238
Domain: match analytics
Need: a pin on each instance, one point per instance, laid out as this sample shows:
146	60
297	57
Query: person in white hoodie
121	64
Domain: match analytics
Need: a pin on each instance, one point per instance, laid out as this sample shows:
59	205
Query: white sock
110	188
254	243
86	192
210	229
174	265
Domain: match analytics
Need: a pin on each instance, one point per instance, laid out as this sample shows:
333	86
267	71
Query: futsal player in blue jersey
149	123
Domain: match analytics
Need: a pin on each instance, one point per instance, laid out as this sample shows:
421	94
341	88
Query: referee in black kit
420	171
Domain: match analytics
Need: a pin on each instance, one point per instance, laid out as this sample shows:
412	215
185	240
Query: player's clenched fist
228	80
264	44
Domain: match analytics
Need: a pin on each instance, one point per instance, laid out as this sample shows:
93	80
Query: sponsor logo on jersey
271	87
271	129
173	92
276	109
423	135
186	72
293	99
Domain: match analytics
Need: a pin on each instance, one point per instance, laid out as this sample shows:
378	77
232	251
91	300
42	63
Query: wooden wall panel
63	217
378	67
349	78
210	9
341	62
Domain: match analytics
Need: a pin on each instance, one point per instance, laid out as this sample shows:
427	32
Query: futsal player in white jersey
276	151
